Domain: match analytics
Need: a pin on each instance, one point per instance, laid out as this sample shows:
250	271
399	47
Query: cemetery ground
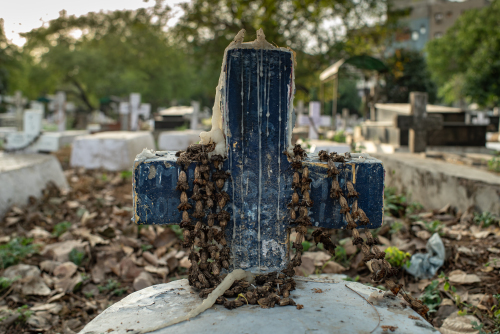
70	255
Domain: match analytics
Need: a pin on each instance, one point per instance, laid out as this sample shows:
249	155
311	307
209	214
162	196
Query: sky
24	15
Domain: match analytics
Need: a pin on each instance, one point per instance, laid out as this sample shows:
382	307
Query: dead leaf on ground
461	277
456	324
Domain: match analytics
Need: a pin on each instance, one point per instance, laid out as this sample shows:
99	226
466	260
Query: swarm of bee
209	250
382	270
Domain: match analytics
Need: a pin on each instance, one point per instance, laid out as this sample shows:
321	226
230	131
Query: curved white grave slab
336	309
112	151
25	175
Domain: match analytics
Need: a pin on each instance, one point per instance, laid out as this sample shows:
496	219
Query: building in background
428	19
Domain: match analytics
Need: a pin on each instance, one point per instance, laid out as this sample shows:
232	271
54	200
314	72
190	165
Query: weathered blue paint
256	116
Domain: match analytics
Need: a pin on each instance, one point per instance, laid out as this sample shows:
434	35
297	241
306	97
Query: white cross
60	108
481	119
134	108
314	120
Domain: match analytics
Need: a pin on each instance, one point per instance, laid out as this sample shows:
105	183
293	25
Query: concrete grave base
113	151
332	309
25	175
177	140
435	183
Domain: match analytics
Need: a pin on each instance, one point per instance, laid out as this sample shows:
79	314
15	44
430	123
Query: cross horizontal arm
431	122
156	200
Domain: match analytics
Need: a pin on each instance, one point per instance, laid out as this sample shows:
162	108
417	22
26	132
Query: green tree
9	60
465	61
108	54
208	26
408	73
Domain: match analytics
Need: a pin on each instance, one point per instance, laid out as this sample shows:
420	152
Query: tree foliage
9	55
315	30
408	73
466	60
107	54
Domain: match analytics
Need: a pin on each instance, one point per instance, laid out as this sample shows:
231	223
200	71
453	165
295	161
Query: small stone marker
257	116
418	122
60	107
315	119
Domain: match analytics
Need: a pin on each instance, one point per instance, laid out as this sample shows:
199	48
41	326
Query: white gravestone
32	139
114	150
25	175
314	120
481	119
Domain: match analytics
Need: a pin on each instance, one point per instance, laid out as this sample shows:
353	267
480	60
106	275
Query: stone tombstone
315	119
345	118
257	128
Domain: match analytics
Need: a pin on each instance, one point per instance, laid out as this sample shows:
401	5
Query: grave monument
416	125
170	139
251	127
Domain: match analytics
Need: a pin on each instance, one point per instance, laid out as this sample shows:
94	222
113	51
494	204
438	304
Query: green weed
76	256
126	174
60	228
16	250
339	137
434	227
431	296
396	257
396	227
7	282
494	164
24	313
178	231
485	219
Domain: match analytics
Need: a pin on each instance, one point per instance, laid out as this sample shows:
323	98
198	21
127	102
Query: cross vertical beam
258	99
417	140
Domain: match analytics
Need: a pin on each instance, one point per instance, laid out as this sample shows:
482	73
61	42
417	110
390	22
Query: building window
438	17
403	35
414	35
438	34
423	30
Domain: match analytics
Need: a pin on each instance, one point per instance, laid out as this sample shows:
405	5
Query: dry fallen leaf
456	324
460	277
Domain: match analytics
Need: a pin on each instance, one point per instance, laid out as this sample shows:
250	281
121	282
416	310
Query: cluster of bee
382	270
209	250
210	200
301	202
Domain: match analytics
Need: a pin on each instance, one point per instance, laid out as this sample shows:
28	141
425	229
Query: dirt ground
67	257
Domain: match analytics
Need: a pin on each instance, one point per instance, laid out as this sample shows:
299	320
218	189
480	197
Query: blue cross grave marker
257	118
